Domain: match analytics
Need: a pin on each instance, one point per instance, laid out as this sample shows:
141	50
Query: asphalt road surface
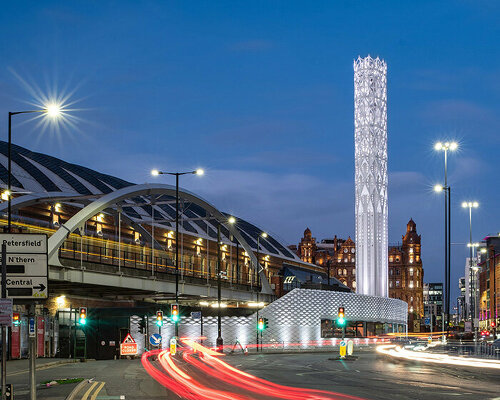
371	376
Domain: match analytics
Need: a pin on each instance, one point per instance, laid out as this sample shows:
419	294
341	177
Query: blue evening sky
260	94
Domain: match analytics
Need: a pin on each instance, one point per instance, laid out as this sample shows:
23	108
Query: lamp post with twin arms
445	148
472	268
156	172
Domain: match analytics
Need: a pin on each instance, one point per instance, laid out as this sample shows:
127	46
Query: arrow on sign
41	287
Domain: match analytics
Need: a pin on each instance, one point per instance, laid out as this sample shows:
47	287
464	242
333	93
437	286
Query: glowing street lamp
51	110
445	147
156	172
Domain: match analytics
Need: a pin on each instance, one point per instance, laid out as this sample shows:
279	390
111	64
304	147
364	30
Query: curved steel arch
98	205
35	198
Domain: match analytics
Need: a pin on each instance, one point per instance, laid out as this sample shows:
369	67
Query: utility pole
4	328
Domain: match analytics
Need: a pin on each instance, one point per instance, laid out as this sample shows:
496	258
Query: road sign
343	348
196	314
427	321
173	346
128	347
32	327
155	339
350	347
27	265
5	312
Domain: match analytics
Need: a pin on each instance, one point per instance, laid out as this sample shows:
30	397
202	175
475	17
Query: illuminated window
354	284
345	271
411	250
391	259
411	260
391	271
345	260
397	283
411	284
390	284
339	271
354	272
411	309
411	271
417	258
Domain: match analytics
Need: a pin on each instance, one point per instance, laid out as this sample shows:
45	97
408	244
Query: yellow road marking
94	396
86	395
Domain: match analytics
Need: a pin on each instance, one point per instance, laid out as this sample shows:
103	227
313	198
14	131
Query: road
371	376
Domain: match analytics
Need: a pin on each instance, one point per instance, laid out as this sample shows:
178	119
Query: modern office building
433	302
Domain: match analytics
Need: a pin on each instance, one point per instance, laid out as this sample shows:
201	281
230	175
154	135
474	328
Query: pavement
370	376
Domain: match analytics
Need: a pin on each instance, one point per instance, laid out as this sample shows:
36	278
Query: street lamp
445	147
156	172
53	111
262	235
470	205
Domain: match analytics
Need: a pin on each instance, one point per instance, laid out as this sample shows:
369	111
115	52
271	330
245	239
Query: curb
47	365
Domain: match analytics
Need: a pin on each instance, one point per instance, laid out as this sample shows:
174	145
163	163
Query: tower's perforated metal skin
370	141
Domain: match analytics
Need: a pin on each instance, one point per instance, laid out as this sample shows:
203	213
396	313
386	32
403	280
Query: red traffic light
83	315
493	324
159	318
174	313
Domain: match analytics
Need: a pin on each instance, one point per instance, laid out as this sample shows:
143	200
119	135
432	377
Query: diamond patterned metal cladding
294	320
370	143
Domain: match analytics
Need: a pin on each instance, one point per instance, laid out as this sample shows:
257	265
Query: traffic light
83	315
260	324
493	324
341	317
159	318
174	313
16	319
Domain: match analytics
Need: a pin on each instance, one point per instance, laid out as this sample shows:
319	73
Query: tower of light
370	142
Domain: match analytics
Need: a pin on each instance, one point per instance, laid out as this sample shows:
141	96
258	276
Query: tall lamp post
156	172
445	148
263	235
470	205
53	111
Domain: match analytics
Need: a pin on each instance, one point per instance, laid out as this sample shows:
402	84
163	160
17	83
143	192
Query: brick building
338	258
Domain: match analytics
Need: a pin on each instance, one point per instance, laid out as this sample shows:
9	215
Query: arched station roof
36	174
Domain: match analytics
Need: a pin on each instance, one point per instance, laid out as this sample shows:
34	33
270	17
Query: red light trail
199	374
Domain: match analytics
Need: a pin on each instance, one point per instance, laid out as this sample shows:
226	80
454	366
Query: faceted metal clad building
370	141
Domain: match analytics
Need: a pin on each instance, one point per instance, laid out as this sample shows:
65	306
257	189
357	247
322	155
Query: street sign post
26	264
155	339
343	348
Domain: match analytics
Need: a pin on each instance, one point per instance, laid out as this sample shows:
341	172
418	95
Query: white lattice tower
370	141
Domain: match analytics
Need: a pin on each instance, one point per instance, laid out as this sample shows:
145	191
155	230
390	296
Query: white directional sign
27	265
